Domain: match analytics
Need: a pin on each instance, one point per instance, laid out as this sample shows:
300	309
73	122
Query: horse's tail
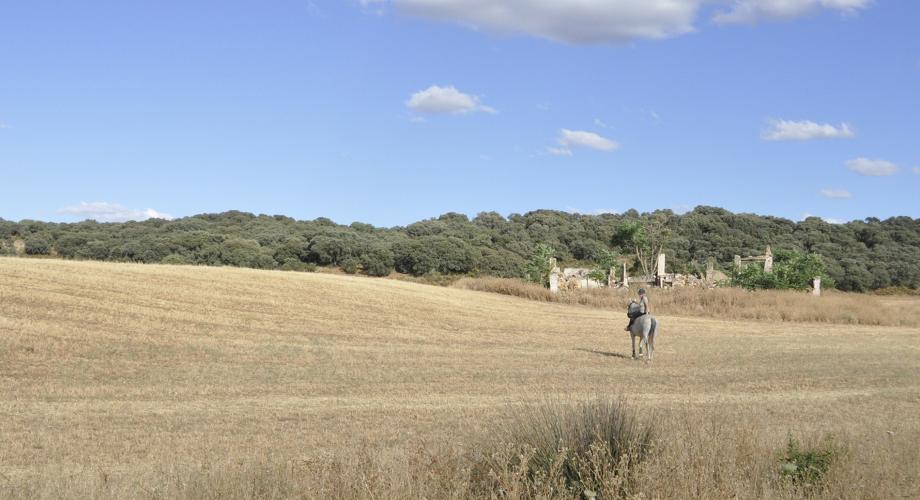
654	327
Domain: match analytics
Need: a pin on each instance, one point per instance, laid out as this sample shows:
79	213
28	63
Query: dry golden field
134	381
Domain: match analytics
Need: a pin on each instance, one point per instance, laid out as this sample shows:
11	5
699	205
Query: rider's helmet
642	291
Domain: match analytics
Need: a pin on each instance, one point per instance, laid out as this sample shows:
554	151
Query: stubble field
121	380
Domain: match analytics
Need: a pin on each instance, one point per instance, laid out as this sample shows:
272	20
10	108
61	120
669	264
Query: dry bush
564	449
721	303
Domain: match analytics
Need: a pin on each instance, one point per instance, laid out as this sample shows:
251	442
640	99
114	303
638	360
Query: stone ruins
575	278
766	258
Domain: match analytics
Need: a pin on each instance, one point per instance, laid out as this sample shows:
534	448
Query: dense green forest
859	255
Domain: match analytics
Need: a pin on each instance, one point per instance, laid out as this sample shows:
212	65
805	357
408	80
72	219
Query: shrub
263	260
176	259
539	266
293	264
333	248
378	261
791	271
240	252
94	250
38	244
604	262
414	257
294	248
71	245
502	264
806	468
350	265
454	255
587	446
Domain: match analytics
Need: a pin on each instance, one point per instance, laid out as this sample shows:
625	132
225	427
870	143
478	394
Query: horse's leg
651	347
633	337
645	335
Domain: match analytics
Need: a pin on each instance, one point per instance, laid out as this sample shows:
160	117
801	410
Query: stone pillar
625	277
660	272
710	270
612	278
816	289
737	263
554	278
768	260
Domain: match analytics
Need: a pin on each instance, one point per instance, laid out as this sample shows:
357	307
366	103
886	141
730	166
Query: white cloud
606	21
600	123
788	130
752	11
837	194
916	170
111	212
437	99
559	151
581	22
3	126
373	6
875	168
574	138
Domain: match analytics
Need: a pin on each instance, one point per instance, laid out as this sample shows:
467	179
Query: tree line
857	256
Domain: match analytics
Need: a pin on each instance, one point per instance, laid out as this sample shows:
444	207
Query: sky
393	111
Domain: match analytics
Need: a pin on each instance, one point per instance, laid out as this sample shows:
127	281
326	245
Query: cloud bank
838	194
559	151
873	168
788	130
607	21
111	212
580	138
752	11
448	99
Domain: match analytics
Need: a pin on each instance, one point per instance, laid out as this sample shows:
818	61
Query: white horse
645	327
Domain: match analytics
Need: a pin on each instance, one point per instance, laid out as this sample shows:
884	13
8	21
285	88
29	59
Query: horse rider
644	308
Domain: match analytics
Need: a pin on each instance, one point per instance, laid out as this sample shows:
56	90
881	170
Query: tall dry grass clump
722	303
550	450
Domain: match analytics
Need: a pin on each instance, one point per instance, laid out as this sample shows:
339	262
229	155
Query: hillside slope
129	366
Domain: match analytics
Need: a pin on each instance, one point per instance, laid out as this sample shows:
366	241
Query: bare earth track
130	368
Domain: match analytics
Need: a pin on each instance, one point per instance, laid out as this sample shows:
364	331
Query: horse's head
633	307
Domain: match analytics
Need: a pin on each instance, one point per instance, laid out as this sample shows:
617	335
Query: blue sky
398	110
